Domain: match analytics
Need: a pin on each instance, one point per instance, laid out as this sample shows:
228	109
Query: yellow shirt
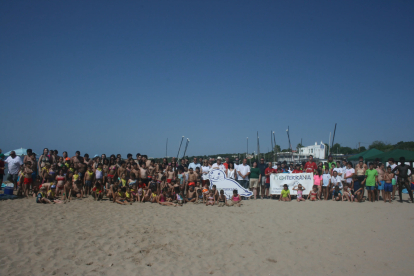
285	193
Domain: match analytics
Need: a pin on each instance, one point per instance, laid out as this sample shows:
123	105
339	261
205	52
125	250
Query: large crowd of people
59	179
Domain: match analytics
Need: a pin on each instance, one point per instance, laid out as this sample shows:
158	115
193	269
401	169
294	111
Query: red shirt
226	165
311	167
269	170
141	186
297	171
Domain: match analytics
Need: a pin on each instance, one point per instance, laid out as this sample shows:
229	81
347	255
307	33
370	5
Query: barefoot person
403	178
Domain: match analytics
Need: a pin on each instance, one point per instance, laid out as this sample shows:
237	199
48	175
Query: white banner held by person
218	177
292	180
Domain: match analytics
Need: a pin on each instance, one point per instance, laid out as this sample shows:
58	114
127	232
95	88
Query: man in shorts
14	162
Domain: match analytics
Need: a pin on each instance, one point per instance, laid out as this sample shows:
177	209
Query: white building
318	151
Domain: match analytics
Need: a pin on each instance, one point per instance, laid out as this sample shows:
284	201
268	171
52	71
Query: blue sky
123	76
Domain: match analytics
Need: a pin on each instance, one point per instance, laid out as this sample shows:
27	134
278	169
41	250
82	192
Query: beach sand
263	237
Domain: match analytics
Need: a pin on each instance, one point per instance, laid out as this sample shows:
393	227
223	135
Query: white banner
218	177
292	180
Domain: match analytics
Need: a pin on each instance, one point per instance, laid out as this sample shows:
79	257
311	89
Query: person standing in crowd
194	164
370	180
330	161
218	165
14	162
243	171
226	164
381	184
310	166
255	177
231	172
262	167
360	174
2	165
236	164
268	172
349	174
391	163
43	159
205	169
297	169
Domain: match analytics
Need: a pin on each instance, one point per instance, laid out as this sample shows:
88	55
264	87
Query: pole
186	145
333	138
247	152
329	145
274	143
271	143
180	148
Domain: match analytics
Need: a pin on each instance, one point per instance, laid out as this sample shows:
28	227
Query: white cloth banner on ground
292	180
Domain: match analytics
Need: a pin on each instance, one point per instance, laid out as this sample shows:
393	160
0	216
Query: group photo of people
51	178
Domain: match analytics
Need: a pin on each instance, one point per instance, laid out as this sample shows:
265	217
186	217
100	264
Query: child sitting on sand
285	194
119	196
358	189
200	197
211	199
97	191
178	195
348	196
51	195
162	199
337	194
191	194
299	190
314	194
222	200
235	199
42	197
128	195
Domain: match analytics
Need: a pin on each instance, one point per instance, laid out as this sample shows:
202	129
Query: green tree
380	145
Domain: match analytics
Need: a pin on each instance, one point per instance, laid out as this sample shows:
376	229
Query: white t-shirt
221	167
205	170
336	180
243	169
348	172
339	171
194	166
325	179
14	164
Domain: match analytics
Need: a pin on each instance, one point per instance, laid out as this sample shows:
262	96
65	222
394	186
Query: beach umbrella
19	152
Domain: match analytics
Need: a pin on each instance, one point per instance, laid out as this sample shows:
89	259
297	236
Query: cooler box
8	190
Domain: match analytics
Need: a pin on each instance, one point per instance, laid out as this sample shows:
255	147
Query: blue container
8	190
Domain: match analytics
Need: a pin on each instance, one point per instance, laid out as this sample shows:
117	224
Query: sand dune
263	237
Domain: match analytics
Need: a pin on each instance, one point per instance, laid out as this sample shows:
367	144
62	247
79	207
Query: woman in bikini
112	168
43	159
60	179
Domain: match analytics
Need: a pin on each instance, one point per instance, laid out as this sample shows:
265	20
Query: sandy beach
263	237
